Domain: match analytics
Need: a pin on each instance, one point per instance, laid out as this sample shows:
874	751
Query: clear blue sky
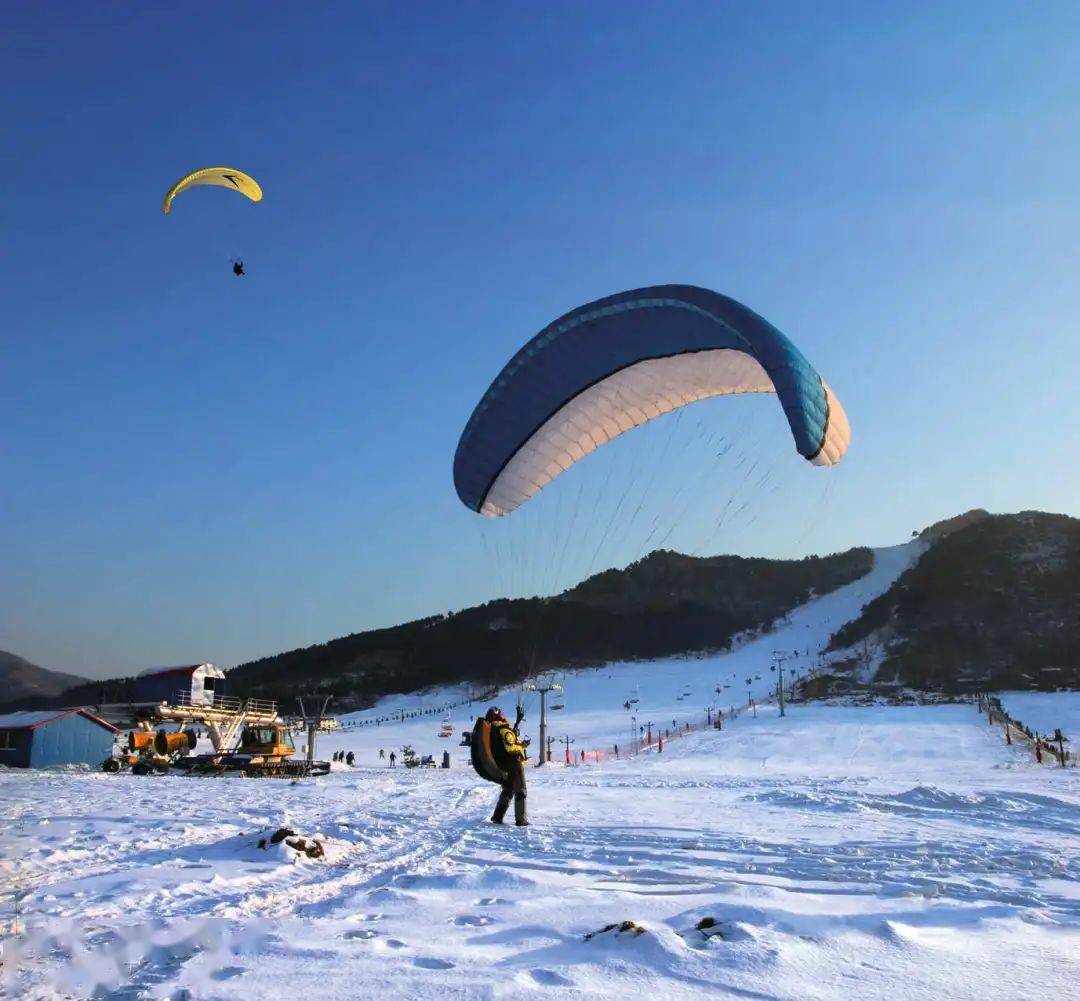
198	467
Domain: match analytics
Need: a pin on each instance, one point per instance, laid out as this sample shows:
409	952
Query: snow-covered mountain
665	604
993	604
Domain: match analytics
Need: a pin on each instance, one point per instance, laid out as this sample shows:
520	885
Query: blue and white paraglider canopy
614	364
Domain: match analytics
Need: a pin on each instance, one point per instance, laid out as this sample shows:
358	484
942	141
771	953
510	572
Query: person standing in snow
349	758
393	759
509	753
382	754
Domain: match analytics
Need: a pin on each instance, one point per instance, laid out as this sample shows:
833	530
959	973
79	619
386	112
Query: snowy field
842	852
839	852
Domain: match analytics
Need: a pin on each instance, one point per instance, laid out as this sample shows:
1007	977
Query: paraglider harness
238	267
490	748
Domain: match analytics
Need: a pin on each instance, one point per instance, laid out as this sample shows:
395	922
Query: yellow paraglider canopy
223	177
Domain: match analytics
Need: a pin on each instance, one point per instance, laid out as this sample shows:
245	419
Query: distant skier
393	759
350	758
382	754
509	753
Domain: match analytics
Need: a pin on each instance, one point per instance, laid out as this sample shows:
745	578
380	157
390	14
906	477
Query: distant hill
665	604
19	679
993	603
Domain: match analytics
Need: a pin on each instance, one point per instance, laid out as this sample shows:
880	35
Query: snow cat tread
284	769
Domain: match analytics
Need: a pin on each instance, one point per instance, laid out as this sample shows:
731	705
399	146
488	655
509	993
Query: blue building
39	738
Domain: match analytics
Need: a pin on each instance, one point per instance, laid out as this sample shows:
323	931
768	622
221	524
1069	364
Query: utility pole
543	686
648	743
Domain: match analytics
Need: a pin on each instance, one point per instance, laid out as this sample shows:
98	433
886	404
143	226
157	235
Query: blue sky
198	467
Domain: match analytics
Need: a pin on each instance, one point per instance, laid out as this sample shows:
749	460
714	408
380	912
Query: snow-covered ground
1045	711
842	852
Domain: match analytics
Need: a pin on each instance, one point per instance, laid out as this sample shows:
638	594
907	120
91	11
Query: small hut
37	739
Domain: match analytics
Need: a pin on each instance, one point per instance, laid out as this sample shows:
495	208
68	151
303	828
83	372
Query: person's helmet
493	714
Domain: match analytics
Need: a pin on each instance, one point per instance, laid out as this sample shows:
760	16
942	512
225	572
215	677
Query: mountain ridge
28	680
992	601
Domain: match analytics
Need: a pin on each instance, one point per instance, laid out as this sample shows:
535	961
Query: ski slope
841	852
594	698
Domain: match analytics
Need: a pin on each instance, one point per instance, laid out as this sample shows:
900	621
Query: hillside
665	579
20	679
664	604
993	604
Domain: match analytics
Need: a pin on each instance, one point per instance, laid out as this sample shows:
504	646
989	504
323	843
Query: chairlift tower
779	657
313	723
543	685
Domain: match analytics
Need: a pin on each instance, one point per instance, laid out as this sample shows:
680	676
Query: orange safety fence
653	738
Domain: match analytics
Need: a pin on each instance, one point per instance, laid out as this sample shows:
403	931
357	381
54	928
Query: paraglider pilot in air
509	753
238	268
